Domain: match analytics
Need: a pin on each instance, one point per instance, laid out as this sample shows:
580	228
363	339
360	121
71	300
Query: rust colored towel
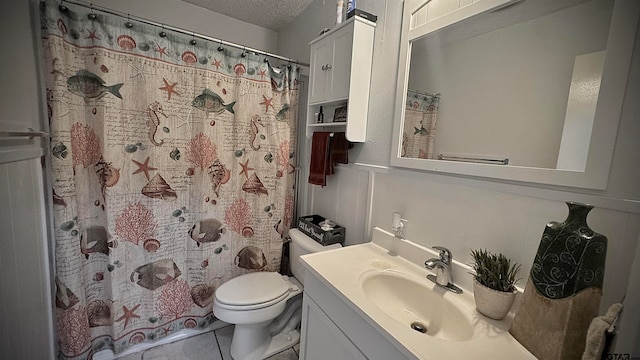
339	149
319	158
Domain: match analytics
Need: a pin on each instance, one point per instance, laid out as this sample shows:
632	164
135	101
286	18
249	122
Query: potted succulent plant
494	283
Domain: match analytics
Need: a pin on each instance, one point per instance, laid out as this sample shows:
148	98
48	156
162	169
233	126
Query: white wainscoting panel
26	329
350	186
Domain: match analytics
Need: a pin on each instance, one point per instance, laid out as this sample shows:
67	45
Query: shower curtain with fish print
172	172
419	129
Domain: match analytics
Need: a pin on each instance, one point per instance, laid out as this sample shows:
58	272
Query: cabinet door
340	71
321	56
321	339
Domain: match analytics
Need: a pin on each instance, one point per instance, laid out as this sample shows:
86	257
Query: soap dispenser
398	224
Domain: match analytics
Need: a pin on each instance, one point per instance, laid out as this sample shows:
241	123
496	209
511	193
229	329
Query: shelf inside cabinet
329	111
344	123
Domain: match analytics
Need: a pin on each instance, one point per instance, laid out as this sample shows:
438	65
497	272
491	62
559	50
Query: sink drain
419	327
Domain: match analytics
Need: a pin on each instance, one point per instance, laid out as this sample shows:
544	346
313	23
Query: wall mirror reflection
517	86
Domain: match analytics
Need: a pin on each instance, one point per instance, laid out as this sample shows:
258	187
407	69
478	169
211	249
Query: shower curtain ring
61	7
128	24
92	15
220	48
244	52
162	33
193	40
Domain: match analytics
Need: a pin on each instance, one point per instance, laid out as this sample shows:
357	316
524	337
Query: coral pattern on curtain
419	127
173	172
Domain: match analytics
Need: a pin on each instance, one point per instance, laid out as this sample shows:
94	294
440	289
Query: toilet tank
300	245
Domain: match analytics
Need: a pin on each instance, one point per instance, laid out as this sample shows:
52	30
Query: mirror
516	90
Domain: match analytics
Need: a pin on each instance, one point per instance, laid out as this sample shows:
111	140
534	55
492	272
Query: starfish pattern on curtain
170	170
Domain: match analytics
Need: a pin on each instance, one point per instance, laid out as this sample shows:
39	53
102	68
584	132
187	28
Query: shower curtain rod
182	31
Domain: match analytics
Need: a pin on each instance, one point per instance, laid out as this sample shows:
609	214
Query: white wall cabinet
340	75
331	64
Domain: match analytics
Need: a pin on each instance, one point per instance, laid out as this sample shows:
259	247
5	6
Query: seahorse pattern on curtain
419	127
173	171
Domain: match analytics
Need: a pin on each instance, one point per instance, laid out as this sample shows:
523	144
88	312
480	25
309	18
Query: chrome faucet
442	265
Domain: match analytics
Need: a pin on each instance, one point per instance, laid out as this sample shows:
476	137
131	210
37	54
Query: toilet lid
252	288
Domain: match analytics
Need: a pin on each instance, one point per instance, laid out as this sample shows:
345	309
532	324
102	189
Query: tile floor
213	345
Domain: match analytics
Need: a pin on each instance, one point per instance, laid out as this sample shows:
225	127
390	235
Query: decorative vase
563	293
571	256
492	303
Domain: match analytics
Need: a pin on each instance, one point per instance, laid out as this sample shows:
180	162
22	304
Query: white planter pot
492	303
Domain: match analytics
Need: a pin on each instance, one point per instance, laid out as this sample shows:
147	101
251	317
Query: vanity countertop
342	271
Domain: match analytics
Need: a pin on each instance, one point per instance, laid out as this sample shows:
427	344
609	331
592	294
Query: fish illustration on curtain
210	102
163	167
419	126
90	86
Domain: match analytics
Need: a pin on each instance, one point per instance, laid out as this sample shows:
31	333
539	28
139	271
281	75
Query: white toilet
264	306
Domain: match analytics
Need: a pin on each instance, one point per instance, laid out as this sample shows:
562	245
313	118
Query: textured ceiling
271	14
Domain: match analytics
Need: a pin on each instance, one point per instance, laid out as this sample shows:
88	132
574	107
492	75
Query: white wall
18	71
351	188
26	321
462	212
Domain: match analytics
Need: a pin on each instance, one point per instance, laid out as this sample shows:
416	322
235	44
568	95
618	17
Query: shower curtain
419	127
172	172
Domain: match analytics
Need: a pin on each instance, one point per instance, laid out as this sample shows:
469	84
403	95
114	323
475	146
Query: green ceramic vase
571	256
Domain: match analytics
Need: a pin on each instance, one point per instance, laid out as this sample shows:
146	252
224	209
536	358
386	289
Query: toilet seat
253	291
265	304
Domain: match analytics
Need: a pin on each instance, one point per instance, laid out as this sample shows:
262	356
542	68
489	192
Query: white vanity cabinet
340	75
331	329
319	332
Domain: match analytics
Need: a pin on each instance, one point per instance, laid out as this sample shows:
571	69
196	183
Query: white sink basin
384	283
416	304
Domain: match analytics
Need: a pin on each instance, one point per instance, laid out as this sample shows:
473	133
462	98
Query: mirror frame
622	33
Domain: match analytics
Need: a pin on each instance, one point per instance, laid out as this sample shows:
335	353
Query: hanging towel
319	158
339	149
597	334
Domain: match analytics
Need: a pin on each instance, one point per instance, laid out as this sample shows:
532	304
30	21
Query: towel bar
30	134
474	160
